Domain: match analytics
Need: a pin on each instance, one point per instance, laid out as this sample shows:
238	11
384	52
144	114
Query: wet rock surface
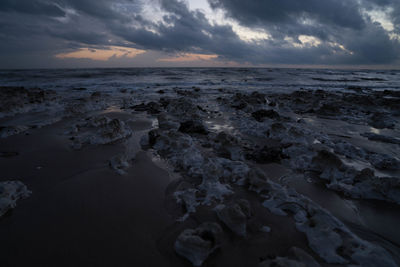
151	107
16	99
120	163
224	147
192	127
98	130
235	216
197	244
215	165
296	258
10	193
259	115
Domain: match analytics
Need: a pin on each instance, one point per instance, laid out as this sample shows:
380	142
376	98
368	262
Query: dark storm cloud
332	21
343	13
29	28
189	31
47	8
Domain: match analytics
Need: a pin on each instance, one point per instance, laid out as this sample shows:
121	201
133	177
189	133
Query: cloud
102	54
340	22
188	57
343	13
325	32
47	8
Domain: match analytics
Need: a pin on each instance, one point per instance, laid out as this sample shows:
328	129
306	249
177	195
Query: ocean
274	80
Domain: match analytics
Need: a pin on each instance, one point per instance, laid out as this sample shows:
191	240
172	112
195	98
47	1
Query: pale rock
196	245
10	193
235	216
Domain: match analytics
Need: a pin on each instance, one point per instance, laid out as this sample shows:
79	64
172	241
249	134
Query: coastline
116	179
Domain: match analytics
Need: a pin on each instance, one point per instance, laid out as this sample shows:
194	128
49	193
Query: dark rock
295	258
12	98
328	109
381	138
384	162
259	115
266	155
153	135
235	216
197	244
241	101
355	88
380	121
391	93
151	107
193	126
240	105
364	175
95	94
326	160
8	154
228	146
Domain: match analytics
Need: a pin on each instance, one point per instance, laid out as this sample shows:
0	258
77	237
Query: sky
199	33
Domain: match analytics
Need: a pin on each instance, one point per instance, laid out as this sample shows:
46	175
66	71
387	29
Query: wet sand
81	213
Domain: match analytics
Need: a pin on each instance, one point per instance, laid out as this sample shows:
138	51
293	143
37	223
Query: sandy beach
165	175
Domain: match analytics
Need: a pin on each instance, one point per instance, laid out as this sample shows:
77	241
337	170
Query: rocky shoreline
222	147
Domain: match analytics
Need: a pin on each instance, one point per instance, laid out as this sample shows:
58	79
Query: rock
10	193
281	262
119	164
327	236
20	99
183	108
151	107
235	216
328	109
188	93
266	229
99	130
296	258
242	101
113	131
384	162
153	135
381	138
96	95
196	245
326	160
6	131
355	88
188	199
228	146
8	154
381	121
302	256
392	93
259	115
84	105
266	155
352	183
193	126
166	122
